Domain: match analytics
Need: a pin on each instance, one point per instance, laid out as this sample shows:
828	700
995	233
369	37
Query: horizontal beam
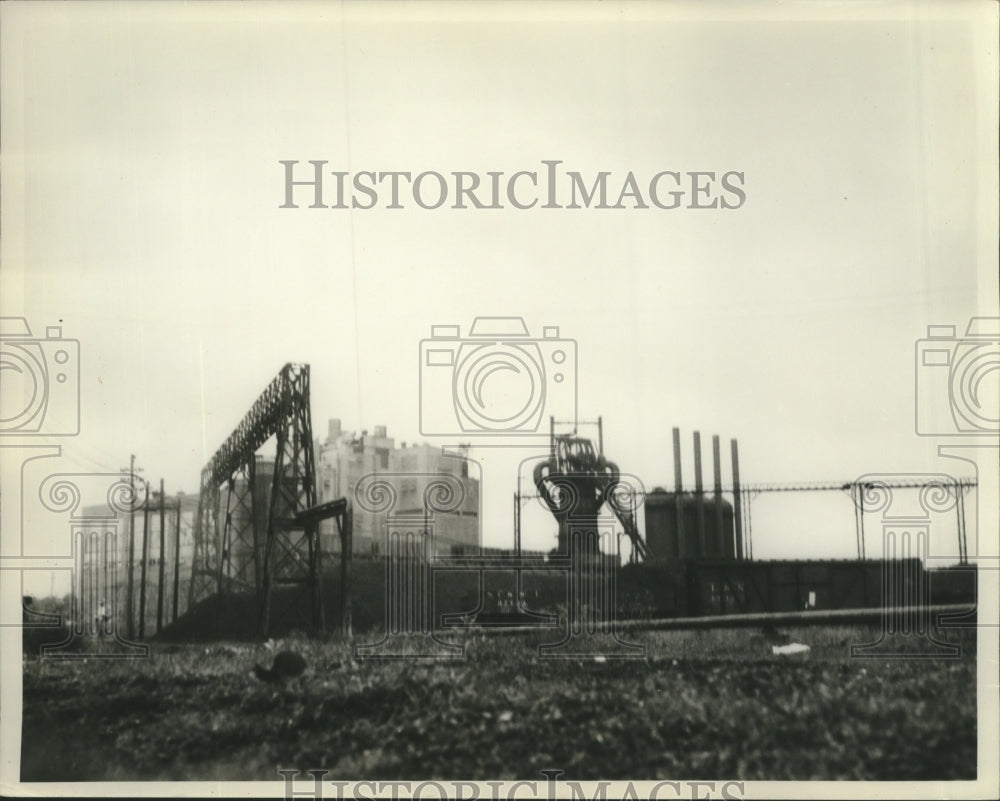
501	563
811	617
323	511
814	617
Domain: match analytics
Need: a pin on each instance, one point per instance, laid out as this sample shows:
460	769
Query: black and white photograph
500	400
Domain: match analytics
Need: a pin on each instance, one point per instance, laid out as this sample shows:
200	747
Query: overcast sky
141	206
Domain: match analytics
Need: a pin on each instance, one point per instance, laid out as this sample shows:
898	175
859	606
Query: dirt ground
709	704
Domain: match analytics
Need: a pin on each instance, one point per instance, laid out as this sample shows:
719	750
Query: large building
345	457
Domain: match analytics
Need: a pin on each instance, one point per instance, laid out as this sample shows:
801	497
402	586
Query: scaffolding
259	537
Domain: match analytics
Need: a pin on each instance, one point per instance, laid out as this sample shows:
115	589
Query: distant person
101	618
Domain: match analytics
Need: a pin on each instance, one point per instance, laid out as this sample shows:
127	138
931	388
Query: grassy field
714	704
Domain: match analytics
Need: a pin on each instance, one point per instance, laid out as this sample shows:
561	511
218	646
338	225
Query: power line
845	486
818	486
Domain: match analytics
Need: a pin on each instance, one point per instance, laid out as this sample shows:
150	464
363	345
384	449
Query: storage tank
662	527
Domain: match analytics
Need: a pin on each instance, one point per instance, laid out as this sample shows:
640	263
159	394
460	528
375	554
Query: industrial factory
331	520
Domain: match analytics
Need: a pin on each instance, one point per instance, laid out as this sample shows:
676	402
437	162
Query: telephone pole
145	557
163	546
177	554
130	590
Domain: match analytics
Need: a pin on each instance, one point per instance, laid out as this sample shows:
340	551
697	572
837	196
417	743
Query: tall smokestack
719	521
679	495
699	490
737	505
333	429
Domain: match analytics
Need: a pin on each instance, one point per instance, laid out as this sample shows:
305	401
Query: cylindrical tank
661	527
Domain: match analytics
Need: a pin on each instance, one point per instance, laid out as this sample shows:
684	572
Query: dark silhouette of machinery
575	482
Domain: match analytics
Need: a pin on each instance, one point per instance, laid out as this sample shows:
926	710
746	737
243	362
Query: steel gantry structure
860	489
250	531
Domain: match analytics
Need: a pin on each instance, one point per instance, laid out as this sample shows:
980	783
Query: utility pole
177	555
145	557
163	545
346	525
861	518
737	500
130	591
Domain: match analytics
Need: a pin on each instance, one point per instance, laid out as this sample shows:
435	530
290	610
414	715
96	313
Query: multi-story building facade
345	457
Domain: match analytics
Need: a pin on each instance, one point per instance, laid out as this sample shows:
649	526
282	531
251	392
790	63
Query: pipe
812	617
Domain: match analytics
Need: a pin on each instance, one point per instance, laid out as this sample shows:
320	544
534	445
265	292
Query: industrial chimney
333	430
679	495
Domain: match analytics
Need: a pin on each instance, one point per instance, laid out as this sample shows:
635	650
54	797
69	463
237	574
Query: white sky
141	188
